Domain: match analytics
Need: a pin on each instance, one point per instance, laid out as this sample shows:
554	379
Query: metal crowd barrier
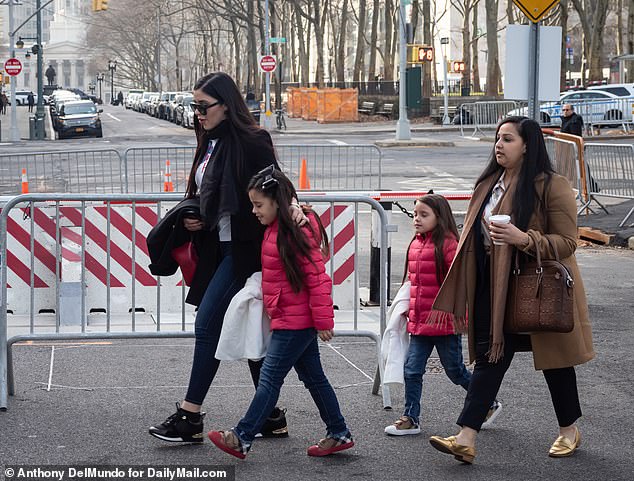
142	170
484	114
74	266
78	171
613	112
330	167
565	158
610	172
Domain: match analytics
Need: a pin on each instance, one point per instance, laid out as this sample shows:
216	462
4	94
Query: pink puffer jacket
421	267
312	306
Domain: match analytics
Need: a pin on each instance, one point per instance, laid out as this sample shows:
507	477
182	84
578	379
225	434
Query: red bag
186	257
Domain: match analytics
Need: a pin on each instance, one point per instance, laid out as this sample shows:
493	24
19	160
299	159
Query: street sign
268	63
277	39
535	9
13	67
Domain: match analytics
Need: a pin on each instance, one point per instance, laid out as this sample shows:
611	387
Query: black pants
487	377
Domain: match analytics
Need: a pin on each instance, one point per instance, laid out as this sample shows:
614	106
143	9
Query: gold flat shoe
563	446
466	454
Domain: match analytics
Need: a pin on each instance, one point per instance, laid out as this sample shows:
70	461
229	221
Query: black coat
573	124
246	231
170	233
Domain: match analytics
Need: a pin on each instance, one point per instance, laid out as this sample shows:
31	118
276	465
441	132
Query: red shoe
228	442
329	446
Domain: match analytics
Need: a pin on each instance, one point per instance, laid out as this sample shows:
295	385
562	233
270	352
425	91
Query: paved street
92	402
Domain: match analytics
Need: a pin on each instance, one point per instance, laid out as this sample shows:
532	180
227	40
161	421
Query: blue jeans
211	312
288	349
449	350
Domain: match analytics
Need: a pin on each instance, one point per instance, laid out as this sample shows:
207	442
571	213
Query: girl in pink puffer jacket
297	297
429	257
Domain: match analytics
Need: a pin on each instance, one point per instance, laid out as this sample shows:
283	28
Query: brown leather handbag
540	296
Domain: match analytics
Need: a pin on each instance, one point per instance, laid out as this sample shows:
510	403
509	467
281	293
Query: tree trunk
509	12
388	50
360	51
414	20
466	36
493	68
476	55
619	28
593	24
301	40
565	64
235	32
252	56
341	48
427	40
319	24
373	41
630	40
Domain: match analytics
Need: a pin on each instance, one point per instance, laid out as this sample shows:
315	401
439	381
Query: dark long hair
241	125
536	161
445	226
291	239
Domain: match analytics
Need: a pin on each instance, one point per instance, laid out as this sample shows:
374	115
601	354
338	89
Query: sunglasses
202	108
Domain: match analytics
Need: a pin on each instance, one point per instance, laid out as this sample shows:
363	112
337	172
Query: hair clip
269	181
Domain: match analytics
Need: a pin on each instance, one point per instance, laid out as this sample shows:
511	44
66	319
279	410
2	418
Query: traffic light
99	5
457	66
420	53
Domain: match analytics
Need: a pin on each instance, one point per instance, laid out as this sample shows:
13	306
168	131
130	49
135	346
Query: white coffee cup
500	219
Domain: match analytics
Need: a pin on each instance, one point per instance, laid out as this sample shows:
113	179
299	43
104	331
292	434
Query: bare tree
376	9
360	50
475	37
592	14
466	8
391	32
493	65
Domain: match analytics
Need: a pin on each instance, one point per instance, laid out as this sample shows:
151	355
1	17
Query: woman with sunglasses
231	148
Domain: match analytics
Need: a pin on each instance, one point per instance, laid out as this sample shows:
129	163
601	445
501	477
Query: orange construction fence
323	105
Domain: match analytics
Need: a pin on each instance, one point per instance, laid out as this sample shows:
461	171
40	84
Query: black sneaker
275	425
180	427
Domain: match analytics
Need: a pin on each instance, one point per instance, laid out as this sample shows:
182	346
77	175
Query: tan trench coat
550	350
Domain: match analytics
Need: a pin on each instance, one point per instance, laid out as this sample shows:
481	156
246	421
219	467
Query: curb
414	143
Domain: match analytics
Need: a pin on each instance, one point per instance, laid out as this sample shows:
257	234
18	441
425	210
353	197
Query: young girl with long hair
297	297
429	256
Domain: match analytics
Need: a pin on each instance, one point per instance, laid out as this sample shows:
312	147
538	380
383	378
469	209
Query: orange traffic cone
168	185
25	182
304	182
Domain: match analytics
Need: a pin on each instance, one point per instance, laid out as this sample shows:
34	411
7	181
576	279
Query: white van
620	90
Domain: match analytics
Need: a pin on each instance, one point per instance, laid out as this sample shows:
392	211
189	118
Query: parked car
593	105
188	117
173	104
620	90
79	118
145	100
180	111
131	99
22	95
164	105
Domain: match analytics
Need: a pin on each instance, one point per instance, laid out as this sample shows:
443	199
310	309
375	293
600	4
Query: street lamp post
112	66
403	131
100	78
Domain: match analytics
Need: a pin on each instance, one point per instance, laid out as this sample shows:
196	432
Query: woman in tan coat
518	181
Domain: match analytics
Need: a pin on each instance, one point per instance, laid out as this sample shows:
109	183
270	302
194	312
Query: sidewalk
23	123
